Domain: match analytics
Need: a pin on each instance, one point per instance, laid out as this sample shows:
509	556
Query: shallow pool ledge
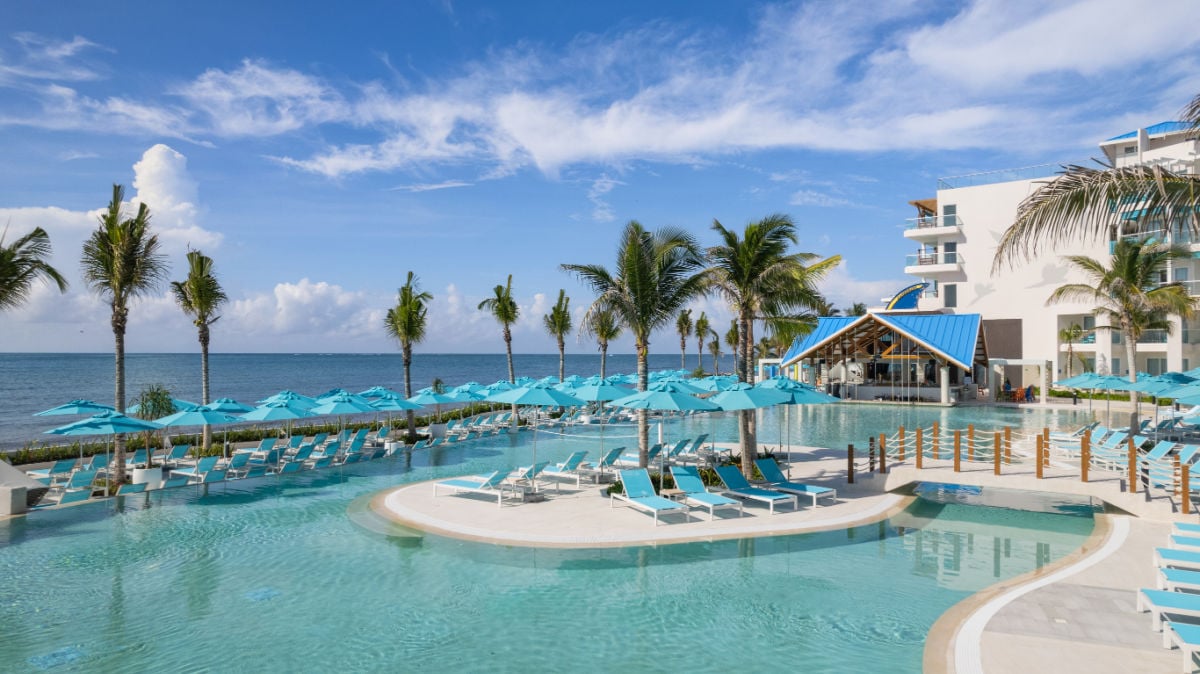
582	518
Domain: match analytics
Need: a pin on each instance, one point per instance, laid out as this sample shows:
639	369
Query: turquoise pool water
276	575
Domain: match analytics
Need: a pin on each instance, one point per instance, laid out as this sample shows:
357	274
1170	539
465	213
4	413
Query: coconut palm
21	263
702	329
406	324
558	324
734	342
154	402
1127	291
1070	335
683	326
657	274
121	261
604	326
761	280
200	296
1080	203
857	309
506	312
714	348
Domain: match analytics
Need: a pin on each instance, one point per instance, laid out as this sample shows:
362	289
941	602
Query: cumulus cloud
308	314
256	99
163	183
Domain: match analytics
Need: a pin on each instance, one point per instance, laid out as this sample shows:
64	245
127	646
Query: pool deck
1074	615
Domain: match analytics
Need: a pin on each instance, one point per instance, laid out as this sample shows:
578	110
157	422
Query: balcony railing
932	221
1153	337
998	176
922	259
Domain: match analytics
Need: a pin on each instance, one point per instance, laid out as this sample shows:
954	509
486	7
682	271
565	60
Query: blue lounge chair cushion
1177	601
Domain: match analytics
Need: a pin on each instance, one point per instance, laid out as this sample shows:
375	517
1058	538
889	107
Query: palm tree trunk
512	376
643	349
1131	355
411	416
747	440
206	435
682	352
603	357
562	359
118	327
700	353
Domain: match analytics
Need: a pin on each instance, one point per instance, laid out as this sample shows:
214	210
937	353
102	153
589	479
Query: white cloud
843	288
430	187
163	183
815	198
45	58
601	210
307	314
257	99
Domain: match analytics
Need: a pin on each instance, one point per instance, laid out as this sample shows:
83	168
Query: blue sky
319	155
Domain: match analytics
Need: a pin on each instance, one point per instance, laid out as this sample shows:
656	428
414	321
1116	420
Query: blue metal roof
1155	130
827	326
953	335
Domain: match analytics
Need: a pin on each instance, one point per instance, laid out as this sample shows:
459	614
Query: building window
950	252
1130	149
950	293
949	215
1156	366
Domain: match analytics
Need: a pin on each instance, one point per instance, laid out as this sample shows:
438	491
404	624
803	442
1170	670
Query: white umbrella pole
533	479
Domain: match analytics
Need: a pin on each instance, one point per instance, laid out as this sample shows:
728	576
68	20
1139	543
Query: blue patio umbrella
393	403
597	390
666	396
277	411
549	380
536	395
378	392
714	382
76	407
427	396
105	423
1078	381
501	385
228	406
290	398
341	403
524	381
798	394
202	415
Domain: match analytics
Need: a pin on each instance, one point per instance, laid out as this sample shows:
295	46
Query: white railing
932	258
931	221
998	176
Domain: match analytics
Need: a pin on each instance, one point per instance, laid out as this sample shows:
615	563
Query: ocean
32	382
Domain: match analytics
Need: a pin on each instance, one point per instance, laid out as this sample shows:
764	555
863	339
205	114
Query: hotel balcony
925	264
932	227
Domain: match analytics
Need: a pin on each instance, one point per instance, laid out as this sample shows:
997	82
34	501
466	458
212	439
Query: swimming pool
273	575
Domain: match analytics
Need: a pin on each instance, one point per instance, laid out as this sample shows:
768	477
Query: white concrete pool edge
968	651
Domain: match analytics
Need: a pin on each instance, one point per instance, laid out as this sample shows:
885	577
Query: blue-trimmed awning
1154	130
955	338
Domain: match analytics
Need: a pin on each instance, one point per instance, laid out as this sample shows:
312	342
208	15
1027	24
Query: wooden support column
1132	466
1038	458
882	453
937	441
957	450
970	442
1085	456
1185	502
920	450
850	464
996	455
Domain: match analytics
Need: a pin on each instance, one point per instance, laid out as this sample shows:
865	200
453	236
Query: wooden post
1085	455
1176	476
882	453
1185	502
937	441
1132	466
1008	445
920	449
850	464
970	442
1040	465
901	439
871	454
1046	445
957	450
996	458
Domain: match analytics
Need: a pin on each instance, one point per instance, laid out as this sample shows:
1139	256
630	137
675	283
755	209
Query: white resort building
954	238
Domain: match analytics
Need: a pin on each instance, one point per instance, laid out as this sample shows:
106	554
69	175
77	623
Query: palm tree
1069	336
154	402
505	310
761	280
857	309
683	326
714	347
656	275
200	296
702	329
558	324
733	341
823	307
121	261
406	323
1079	203
21	263
1128	292
602	325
